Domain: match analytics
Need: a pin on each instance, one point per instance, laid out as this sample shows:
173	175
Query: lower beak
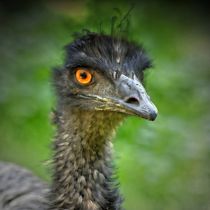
134	98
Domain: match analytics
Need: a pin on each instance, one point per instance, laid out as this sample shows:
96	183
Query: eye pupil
83	75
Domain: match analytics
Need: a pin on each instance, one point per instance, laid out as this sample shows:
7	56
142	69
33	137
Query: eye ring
83	76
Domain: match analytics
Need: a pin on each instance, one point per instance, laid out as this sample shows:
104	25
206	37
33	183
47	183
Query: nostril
132	100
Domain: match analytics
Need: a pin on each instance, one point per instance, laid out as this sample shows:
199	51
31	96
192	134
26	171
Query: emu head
103	73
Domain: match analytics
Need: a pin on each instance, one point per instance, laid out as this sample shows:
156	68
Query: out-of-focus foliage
163	164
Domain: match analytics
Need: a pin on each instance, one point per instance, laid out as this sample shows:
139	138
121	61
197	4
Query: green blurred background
162	165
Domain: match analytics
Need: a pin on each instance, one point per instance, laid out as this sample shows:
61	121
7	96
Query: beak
134	99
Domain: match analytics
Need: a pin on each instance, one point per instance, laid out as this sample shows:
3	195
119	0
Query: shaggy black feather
107	54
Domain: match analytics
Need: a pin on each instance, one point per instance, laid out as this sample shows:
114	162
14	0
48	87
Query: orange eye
83	76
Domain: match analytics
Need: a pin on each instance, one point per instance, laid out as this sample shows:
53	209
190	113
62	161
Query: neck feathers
83	172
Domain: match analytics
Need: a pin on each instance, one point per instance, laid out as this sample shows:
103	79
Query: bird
100	83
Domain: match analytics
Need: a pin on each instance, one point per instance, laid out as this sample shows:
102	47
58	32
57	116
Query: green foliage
163	164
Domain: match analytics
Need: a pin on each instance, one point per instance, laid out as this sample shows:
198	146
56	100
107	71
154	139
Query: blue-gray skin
87	117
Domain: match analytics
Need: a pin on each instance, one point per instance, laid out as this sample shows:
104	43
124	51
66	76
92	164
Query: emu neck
82	161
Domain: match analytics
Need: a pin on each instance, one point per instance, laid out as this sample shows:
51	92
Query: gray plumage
86	117
20	189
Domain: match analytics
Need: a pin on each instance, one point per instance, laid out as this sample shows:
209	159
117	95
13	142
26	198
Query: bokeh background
162	165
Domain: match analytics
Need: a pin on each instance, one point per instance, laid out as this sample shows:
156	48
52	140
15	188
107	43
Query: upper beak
134	98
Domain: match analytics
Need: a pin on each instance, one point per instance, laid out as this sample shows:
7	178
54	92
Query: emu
99	85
